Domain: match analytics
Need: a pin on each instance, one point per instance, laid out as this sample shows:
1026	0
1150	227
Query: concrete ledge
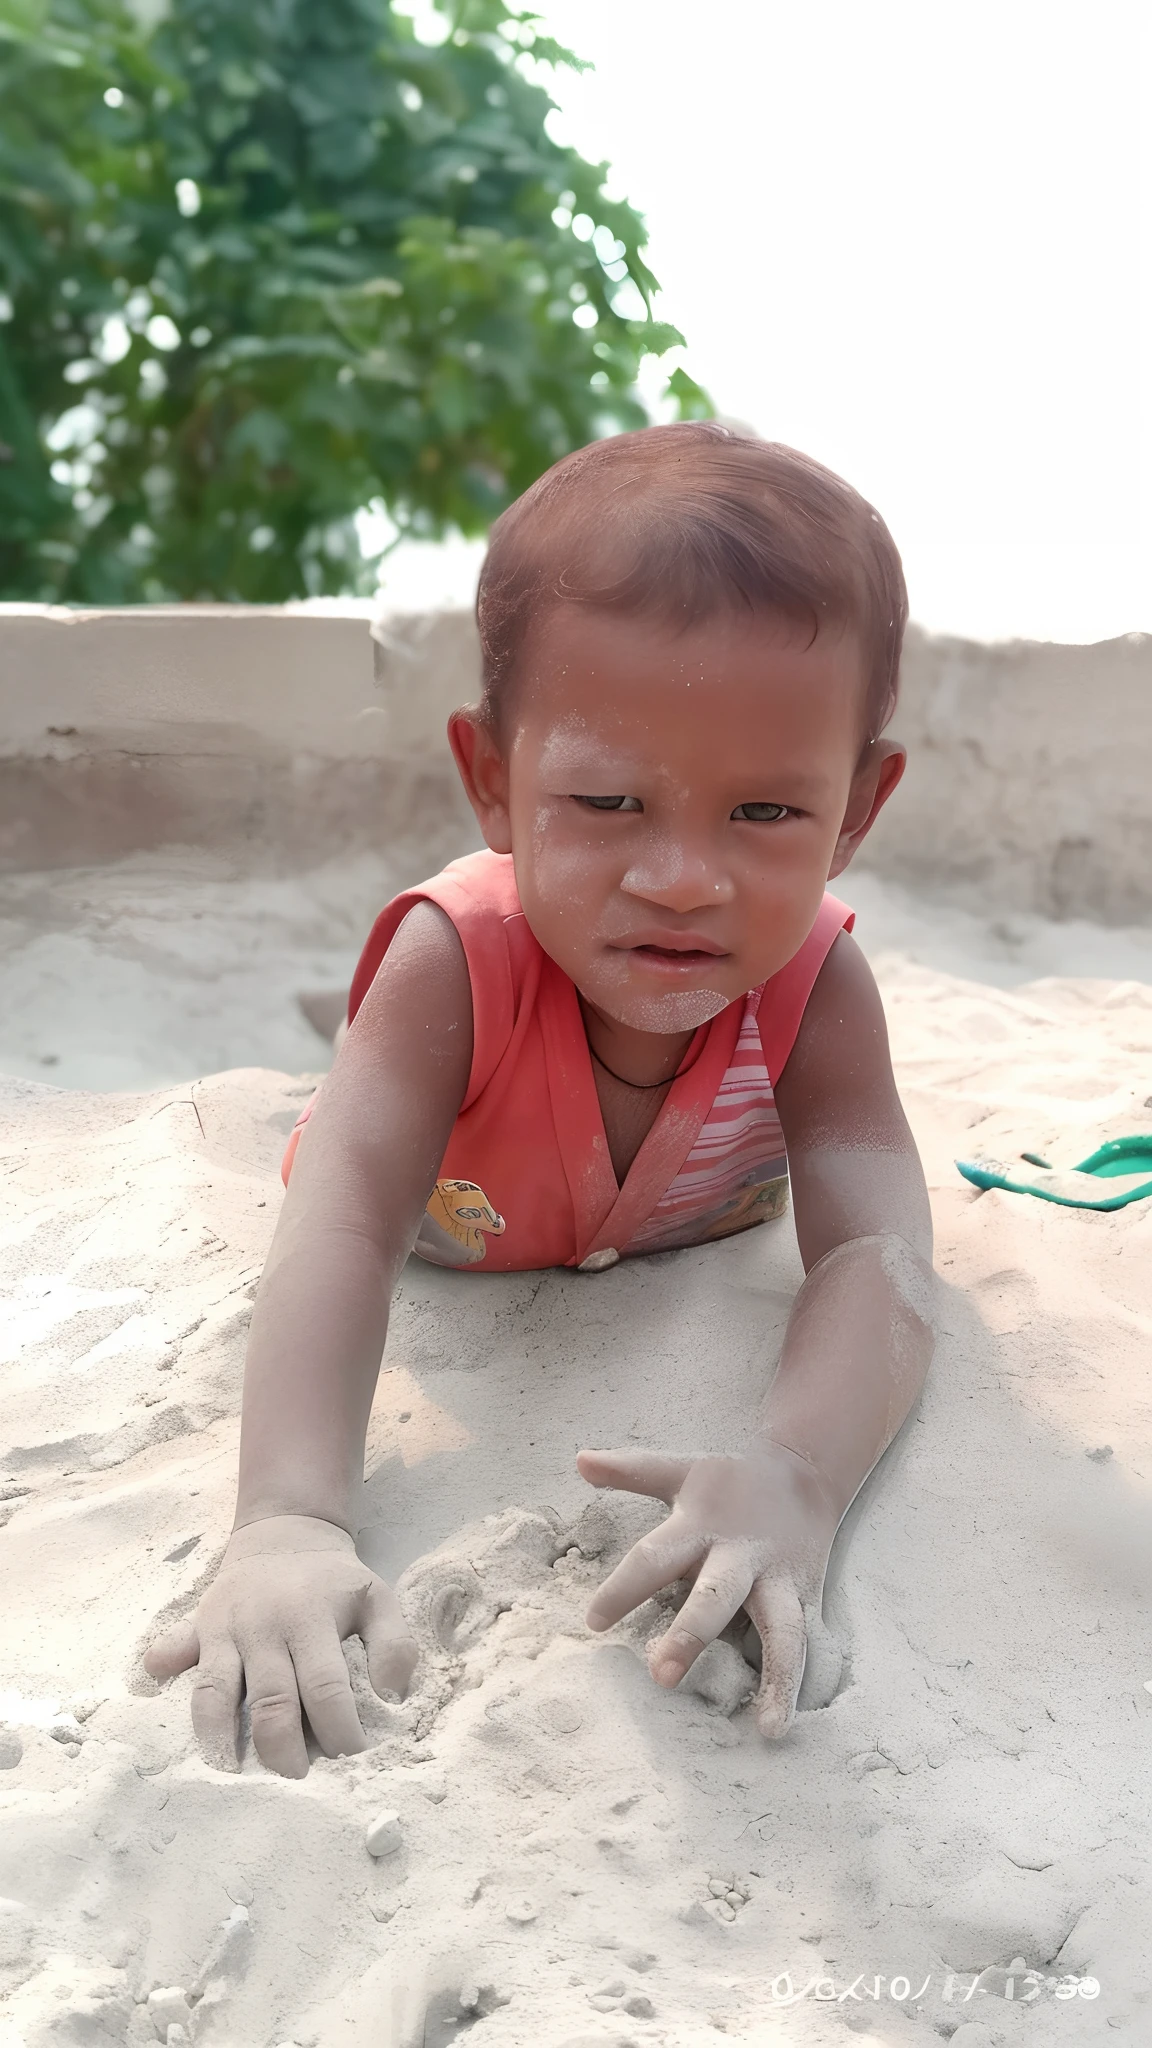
1029	779
286	735
290	736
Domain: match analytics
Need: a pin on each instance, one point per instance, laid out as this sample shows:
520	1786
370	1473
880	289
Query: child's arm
291	1586
757	1529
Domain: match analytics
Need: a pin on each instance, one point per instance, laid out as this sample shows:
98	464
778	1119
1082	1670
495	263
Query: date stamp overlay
955	1987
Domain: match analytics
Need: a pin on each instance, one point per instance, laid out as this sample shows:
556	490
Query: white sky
913	238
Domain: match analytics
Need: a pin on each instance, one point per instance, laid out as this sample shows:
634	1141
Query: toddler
633	1023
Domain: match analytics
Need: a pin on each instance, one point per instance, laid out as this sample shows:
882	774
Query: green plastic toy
1116	1174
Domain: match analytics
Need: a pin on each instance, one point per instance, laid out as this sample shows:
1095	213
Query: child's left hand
753	1531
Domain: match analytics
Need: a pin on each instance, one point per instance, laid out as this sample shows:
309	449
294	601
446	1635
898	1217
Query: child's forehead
567	635
593	679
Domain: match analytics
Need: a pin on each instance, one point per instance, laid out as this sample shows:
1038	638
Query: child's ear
484	773
876	777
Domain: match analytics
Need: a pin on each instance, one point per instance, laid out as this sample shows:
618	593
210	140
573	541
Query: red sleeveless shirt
527	1180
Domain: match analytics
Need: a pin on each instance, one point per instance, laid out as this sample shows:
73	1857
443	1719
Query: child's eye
611	803
761	814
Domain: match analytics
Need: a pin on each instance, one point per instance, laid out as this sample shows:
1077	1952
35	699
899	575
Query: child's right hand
290	1589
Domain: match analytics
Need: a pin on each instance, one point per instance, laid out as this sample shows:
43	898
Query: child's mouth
678	960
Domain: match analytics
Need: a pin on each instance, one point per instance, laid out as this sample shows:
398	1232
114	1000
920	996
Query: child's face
675	803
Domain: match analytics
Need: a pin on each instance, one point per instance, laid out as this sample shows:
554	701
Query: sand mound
577	1858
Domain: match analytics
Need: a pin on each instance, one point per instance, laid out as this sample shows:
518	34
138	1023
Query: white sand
977	1790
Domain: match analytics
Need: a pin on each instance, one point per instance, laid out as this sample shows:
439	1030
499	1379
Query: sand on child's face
664	906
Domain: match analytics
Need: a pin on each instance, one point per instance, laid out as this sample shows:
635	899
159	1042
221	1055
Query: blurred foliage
267	262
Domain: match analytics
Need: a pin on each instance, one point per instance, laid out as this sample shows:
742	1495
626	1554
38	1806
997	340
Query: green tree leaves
267	264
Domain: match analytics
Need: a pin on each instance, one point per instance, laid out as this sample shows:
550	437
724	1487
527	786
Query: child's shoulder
784	998
475	889
840	1055
477	884
478	893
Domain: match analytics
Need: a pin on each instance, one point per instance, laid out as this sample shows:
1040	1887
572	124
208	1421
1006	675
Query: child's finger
658	1560
173	1652
774	1606
635	1472
274	1710
216	1696
326	1691
391	1652
722	1585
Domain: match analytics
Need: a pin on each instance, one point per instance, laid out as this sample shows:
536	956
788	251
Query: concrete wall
289	736
243	728
1029	777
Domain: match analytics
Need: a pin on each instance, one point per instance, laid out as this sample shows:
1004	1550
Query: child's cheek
545	832
564	866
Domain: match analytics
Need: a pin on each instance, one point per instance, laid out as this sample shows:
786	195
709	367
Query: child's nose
680	878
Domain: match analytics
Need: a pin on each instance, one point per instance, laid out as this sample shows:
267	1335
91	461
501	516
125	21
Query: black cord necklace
629	1084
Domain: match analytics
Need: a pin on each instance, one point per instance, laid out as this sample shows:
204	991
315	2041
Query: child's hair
681	523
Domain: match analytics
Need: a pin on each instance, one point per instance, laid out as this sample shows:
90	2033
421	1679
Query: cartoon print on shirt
759	1202
452	1231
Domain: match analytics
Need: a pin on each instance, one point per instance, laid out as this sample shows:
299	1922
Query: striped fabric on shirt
737	1171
